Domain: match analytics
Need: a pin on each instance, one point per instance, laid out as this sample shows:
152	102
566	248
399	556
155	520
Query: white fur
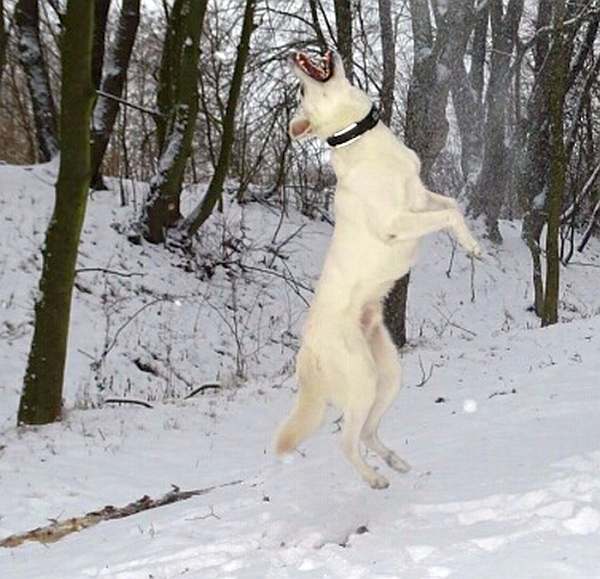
382	209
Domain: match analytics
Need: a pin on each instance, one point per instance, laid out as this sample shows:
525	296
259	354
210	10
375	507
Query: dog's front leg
414	224
410	225
460	228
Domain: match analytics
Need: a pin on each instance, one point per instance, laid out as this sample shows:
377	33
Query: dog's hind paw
378	482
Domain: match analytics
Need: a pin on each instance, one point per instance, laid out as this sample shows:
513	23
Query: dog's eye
302	90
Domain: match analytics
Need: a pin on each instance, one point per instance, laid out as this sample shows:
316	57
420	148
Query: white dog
382	209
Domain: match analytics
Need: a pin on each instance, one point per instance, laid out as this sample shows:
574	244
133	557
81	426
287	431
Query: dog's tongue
320	69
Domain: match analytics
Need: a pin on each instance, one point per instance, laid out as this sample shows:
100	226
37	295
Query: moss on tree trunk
42	393
555	89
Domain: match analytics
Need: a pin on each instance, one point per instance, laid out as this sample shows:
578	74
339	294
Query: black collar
355	130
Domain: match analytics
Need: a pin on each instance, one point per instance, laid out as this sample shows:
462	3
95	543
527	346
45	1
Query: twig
590	228
451	323
123	326
584	264
140	108
128	401
59	529
449	270
472	280
109	271
424	377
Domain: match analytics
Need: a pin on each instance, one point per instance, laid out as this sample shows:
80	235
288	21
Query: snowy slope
504	437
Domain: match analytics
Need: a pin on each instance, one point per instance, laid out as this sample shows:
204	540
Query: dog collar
355	130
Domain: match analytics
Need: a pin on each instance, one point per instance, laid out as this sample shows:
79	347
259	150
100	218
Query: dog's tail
307	413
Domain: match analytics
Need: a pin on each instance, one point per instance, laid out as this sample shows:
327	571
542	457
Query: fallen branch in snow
127	401
59	529
449	321
108	271
202	389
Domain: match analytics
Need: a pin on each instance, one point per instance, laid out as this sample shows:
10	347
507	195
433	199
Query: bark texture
31	57
42	394
555	90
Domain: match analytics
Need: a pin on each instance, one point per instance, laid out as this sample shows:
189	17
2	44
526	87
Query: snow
470	406
511	489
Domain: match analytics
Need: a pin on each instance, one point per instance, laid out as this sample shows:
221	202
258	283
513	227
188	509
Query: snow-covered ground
504	436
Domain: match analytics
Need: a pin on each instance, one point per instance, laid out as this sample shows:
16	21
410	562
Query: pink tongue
299	127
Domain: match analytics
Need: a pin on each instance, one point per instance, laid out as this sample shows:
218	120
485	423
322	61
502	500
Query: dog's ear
300	127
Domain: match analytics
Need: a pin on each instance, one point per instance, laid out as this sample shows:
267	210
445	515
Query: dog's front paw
378	482
470	245
475	250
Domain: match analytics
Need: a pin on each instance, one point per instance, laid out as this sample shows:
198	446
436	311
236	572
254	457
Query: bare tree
467	91
435	59
178	102
3	41
343	21
27	21
215	189
41	400
494	178
113	82
388	50
555	90
101	8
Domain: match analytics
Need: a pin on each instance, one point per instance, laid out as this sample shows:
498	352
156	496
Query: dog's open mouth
319	68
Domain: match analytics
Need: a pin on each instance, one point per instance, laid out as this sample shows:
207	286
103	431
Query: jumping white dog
382	209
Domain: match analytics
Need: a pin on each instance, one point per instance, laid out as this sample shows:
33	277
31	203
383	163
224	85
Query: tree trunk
495	174
3	40
101	8
555	90
533	168
215	189
467	91
42	394
389	60
478	51
180	79
343	22
38	82
435	60
106	109
316	24
469	115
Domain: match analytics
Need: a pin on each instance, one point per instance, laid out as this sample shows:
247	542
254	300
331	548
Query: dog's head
328	101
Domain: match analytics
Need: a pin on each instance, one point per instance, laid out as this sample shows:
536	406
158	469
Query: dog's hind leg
354	420
389	371
361	376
